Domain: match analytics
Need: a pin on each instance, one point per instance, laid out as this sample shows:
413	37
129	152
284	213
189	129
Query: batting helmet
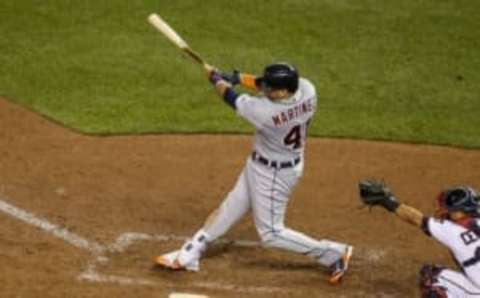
279	76
460	198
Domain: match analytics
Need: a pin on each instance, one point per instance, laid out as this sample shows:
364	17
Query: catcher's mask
279	76
460	198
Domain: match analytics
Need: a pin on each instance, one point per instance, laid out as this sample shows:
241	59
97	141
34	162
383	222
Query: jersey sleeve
311	91
438	229
248	107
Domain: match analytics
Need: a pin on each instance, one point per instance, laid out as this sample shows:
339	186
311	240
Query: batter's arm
223	88
245	80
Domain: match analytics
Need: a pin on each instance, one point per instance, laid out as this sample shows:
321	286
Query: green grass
394	70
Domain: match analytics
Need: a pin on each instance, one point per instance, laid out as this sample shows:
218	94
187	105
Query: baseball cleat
339	268
170	261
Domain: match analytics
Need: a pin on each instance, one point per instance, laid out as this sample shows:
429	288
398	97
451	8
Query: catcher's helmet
460	198
279	76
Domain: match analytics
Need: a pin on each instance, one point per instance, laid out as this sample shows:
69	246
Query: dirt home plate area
83	216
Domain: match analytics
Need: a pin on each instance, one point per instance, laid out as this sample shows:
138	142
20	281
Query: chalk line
53	229
125	240
98	252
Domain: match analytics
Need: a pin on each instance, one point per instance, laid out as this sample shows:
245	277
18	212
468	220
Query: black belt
275	164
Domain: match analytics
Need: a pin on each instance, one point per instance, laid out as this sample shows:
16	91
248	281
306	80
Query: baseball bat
156	21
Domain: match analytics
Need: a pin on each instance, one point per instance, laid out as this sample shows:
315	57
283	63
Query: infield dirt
101	187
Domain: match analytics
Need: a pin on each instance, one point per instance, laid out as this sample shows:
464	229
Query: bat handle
194	55
208	68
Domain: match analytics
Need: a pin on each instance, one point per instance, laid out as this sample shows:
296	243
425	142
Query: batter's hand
213	74
233	78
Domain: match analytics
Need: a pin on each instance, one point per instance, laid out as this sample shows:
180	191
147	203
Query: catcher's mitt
373	193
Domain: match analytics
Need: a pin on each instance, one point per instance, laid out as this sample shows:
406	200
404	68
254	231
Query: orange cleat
340	267
170	261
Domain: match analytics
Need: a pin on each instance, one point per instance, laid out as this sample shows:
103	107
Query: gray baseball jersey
281	126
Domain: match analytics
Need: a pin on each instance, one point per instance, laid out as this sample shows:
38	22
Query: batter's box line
127	239
99	251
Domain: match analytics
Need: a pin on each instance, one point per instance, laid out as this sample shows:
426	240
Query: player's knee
270	239
428	276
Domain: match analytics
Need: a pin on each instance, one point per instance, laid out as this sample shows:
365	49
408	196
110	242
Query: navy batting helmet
460	198
279	76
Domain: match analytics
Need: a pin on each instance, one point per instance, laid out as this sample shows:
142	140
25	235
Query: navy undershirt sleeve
425	227
230	97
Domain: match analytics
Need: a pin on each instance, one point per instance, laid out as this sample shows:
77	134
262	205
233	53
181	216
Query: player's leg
270	192
232	209
428	282
439	282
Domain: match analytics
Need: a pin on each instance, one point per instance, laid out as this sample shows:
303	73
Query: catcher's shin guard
434	292
427	278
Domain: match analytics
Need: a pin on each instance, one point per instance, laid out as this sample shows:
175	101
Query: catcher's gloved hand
373	193
233	78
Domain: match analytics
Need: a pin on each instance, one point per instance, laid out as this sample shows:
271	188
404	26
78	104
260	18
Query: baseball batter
456	226
280	111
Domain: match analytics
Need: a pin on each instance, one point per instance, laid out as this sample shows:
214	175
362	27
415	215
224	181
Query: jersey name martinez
293	112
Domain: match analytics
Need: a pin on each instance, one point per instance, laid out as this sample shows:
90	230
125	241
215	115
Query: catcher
456	225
